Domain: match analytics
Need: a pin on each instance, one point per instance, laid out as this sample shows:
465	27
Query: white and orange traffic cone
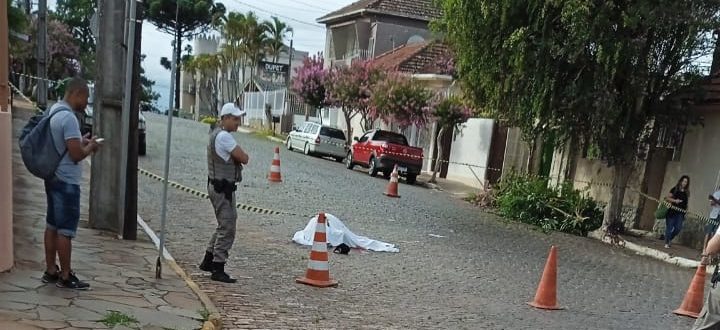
392	188
274	175
318	270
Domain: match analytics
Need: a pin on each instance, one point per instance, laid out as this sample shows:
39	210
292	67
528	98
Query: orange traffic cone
274	175
318	271
693	302
546	295
392	188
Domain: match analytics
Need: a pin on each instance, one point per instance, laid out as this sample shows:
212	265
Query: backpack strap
61	108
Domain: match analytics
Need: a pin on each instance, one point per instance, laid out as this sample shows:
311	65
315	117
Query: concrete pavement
121	273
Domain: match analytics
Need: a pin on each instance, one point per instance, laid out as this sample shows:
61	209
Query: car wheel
373	170
142	148
349	161
411	178
289	143
306	150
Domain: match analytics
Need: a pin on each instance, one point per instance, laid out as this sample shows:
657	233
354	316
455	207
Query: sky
299	14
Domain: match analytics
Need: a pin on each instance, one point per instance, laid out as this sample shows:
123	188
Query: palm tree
204	69
233	31
255	42
277	31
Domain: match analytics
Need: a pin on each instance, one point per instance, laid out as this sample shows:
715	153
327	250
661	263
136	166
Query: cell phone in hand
99	140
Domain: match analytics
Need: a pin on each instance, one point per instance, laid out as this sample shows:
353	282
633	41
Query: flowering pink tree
401	101
63	50
450	113
350	88
309	84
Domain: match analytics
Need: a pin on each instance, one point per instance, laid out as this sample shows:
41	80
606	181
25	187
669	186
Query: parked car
380	151
87	122
316	139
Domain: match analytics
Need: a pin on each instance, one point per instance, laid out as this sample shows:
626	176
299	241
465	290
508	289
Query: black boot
219	273
207	265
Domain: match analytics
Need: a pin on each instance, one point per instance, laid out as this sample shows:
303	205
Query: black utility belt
222	185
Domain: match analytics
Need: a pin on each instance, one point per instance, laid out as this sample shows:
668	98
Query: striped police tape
197	193
33	77
17	90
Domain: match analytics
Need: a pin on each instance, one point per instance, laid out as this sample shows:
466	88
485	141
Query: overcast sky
299	14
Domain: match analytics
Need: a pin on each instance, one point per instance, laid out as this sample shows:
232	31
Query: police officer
709	318
225	160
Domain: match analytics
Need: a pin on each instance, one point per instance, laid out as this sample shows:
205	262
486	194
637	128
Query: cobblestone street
478	275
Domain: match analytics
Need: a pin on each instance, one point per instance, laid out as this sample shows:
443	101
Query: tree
204	69
17	20
148	97
400	101
350	89
598	70
255	42
63	52
450	113
232	28
277	31
309	83
77	14
193	18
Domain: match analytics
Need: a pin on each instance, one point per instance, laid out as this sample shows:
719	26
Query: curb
214	321
652	253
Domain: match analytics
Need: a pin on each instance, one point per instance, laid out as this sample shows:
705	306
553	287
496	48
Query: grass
204	313
268	133
115	318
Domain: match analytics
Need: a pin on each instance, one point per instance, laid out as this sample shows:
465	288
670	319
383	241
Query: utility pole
130	226
6	140
42	84
105	173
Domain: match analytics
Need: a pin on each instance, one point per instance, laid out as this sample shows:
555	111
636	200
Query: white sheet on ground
338	233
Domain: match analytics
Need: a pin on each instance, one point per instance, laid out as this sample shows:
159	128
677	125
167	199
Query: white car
315	139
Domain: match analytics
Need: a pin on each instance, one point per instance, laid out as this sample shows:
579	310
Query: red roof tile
414	58
420	9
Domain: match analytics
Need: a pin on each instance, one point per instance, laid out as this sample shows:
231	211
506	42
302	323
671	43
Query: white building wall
471	146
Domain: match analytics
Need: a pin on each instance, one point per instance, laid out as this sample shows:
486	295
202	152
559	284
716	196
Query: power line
313	6
283	16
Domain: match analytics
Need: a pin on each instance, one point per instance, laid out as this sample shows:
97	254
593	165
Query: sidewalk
642	243
121	273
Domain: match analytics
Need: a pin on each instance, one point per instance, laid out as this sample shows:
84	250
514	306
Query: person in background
712	226
63	191
678	198
225	159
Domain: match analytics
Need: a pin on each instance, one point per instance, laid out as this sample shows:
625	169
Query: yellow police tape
194	192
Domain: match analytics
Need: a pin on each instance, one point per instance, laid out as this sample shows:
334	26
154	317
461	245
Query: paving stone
47	314
8	315
193	314
15	306
143	315
45	324
23	279
17	326
79	314
34	298
183	300
5	287
88	324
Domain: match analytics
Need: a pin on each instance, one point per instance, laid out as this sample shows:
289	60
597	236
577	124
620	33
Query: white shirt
715	211
224	145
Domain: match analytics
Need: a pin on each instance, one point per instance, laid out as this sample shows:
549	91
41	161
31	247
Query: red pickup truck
380	151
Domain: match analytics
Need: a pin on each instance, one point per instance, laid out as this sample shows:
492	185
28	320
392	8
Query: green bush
530	200
209	120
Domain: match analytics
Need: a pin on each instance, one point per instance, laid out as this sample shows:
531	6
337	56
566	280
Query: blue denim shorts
63	207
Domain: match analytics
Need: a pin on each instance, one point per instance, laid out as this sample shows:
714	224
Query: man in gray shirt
63	191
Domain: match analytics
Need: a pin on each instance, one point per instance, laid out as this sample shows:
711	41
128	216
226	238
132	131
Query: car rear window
332	132
390	137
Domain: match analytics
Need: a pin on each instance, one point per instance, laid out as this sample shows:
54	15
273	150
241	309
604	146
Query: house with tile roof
368	28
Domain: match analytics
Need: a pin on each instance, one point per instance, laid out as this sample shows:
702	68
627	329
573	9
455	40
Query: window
391	137
332	133
364	137
314	129
308	128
